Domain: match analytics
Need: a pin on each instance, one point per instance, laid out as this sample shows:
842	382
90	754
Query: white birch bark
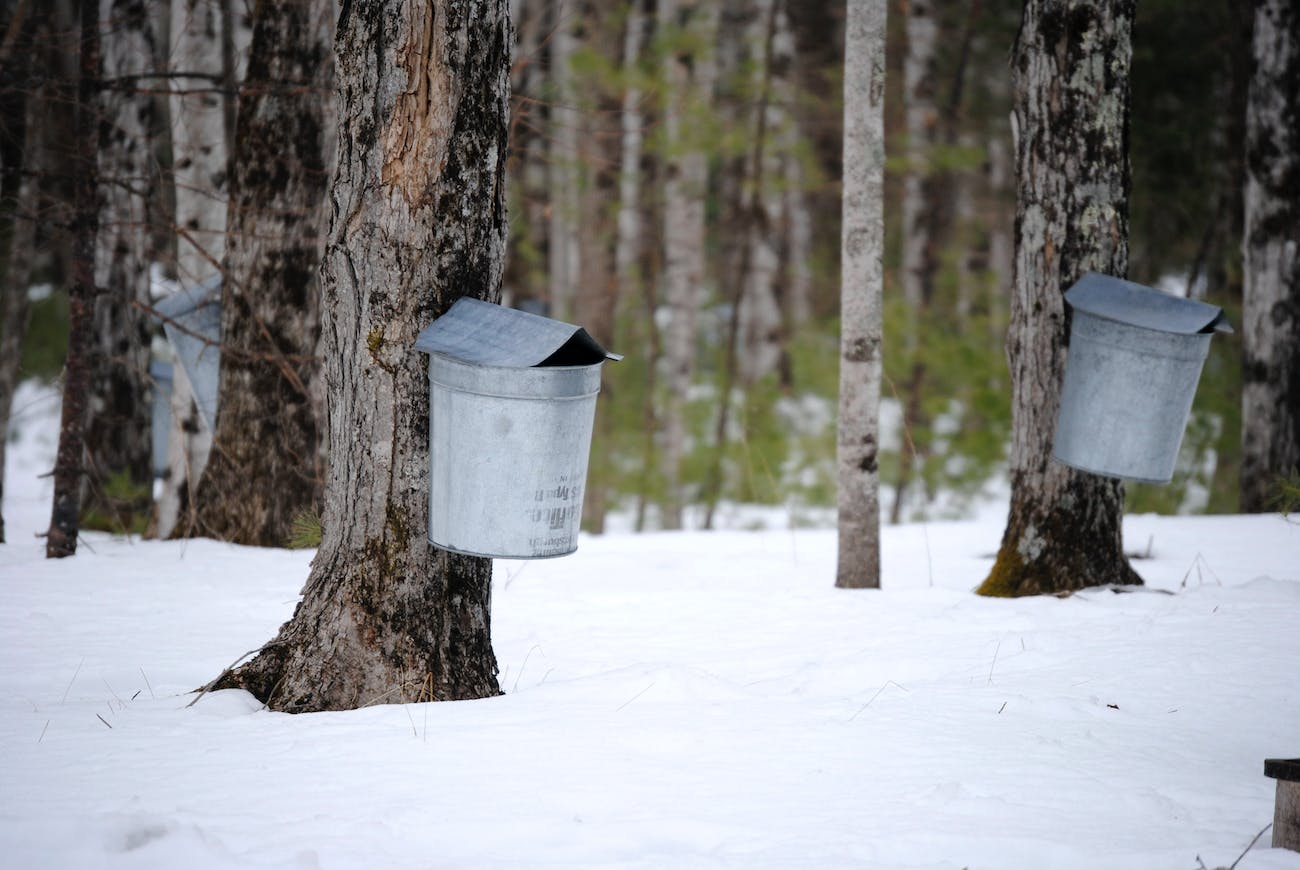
862	277
199	130
770	45
1270	405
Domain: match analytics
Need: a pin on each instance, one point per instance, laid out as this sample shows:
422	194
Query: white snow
673	701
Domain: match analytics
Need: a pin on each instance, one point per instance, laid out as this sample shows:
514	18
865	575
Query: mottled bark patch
416	137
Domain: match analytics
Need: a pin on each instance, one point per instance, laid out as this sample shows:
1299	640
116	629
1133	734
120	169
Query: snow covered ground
688	700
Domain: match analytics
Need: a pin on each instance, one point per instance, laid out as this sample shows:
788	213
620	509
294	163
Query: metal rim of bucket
538	383
516	558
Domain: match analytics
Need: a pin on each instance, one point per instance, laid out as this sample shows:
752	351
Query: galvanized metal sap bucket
1134	361
160	414
191	318
512	399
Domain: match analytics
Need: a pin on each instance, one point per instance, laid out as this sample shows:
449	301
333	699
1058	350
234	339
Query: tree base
1062	543
365	636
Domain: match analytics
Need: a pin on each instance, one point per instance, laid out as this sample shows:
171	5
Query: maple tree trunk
1270	407
266	464
1070	72
418	221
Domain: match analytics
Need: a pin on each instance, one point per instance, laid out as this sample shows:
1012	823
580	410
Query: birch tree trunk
199	119
762	328
689	74
862	277
418	220
65	516
119	472
1071	83
1270	406
266	465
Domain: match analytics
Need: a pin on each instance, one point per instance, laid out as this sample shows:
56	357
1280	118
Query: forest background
727	391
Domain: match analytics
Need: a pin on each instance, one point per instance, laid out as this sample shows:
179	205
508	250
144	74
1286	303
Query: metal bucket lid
1126	302
484	334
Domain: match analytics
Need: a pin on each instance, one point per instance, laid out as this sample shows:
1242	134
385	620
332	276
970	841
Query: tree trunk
418	221
689	76
862	277
761	328
265	469
21	194
753	330
788	200
920	242
199	159
23	154
1270	405
1071	81
595	293
65	517
526	278
119	473
563	254
922	127
629	248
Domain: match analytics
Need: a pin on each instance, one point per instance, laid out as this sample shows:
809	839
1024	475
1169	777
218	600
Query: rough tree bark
266	464
1070	73
1270	404
862	277
689	73
418	220
117	431
65	516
